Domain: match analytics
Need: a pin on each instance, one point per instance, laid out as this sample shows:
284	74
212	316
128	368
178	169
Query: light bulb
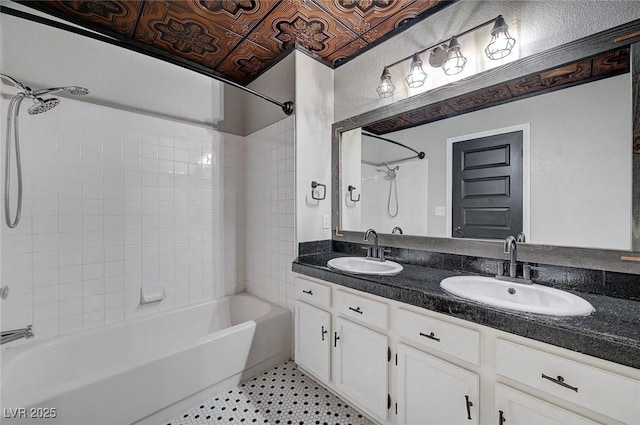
416	76
455	61
386	87
501	42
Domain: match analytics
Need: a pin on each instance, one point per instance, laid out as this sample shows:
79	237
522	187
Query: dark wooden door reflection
487	187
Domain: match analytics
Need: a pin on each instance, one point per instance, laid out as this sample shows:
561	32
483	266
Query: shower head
43	105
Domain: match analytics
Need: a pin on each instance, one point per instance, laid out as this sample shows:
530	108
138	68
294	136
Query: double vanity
509	292
428	345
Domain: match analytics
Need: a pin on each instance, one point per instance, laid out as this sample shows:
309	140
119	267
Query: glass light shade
386	87
416	76
455	61
501	42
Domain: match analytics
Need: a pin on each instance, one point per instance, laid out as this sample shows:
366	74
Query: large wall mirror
572	107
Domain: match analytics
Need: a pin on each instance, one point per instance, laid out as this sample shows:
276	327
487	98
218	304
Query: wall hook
351	189
315	184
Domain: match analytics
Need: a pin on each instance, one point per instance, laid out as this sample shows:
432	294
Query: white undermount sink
516	296
363	265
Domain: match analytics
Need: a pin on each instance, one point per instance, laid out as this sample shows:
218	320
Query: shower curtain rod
395	161
287	107
419	155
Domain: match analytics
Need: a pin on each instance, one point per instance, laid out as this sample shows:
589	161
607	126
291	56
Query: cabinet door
313	340
361	366
434	392
516	408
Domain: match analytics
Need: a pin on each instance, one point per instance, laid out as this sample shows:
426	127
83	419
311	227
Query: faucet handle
526	270
369	250
382	251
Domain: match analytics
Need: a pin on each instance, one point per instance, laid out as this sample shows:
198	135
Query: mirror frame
627	35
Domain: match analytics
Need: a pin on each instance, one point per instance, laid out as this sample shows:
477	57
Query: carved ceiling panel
240	39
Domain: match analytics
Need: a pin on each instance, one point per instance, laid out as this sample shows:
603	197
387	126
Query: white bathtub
145	370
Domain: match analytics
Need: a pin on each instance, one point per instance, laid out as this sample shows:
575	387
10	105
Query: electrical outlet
440	211
326	222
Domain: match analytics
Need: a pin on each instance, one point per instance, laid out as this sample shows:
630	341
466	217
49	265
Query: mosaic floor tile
282	395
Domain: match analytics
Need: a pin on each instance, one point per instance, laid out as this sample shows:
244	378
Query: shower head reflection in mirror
40	105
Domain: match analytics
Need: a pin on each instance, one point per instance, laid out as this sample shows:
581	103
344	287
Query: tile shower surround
112	200
269	212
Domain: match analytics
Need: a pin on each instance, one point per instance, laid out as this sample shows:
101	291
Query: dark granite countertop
611	333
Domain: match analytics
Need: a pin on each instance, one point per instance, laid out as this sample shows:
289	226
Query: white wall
580	161
270	213
41	56
112	201
279	83
314	116
540	25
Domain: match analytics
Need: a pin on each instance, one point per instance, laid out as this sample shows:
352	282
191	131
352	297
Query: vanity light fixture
449	56
501	42
455	60
386	87
416	76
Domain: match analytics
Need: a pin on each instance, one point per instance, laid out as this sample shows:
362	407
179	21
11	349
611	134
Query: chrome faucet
397	229
16	334
374	252
510	247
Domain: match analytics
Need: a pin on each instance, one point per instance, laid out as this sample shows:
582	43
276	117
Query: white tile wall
114	200
234	213
270	212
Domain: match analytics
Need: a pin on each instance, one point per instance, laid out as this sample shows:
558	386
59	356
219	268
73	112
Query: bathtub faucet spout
16	334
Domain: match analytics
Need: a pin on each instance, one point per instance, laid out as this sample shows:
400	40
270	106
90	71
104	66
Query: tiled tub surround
114	200
149	369
269	212
611	333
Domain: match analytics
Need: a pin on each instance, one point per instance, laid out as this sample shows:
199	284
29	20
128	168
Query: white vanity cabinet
432	391
404	365
341	344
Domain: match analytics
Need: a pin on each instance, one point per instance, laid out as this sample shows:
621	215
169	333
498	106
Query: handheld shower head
43	105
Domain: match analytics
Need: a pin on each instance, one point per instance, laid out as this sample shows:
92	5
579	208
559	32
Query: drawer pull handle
335	339
501	418
560	381
324	331
469	404
430	336
357	310
308	292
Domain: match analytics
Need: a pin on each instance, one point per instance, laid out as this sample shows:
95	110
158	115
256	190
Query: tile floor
282	395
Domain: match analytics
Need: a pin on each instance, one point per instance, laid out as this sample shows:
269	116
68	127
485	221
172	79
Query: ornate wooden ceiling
240	39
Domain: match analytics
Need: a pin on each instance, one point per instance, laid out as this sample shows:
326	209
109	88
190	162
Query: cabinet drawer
313	292
596	389
361	308
448	338
517	408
